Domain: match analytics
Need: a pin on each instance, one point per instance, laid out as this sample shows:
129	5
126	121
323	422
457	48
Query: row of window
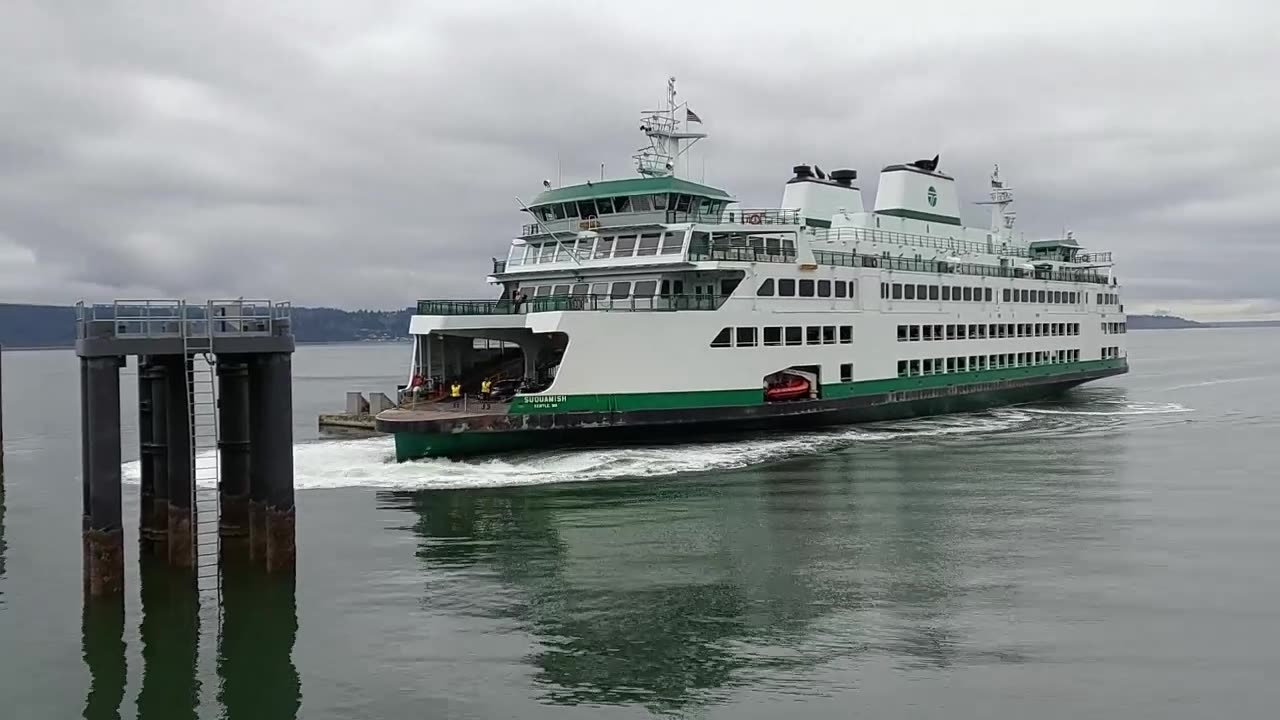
611	246
939	366
899	291
1110	353
790	335
913	333
1108	299
788	287
628	204
1115	328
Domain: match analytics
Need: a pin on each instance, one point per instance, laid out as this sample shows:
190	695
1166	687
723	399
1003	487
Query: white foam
371	462
1136	408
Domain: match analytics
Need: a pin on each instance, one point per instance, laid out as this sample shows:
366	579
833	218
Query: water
1111	556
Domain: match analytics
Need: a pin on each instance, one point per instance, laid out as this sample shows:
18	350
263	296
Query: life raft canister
755	218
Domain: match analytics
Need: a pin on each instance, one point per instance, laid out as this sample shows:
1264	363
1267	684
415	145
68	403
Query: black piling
234	445
146	464
156	517
178	441
272	513
103	535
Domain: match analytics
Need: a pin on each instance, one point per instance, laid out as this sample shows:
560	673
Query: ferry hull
489	434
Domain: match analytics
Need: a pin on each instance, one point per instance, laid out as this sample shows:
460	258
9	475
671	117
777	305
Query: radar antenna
667	141
1002	215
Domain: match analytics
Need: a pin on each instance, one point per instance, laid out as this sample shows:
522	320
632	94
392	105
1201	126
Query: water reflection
256	677
3	546
673	593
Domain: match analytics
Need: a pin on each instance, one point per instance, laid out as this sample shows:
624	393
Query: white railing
178	319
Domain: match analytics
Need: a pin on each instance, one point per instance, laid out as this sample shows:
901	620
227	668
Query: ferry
656	307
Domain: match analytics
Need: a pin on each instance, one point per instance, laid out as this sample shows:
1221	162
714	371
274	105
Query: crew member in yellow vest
486	386
455	392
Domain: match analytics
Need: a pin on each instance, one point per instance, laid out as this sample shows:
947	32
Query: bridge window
600	289
560	290
765	289
672	242
622	204
586	209
786	287
722	338
682	202
620	290
580	289
645	288
659	201
641	203
624	246
649	244
604	246
604	206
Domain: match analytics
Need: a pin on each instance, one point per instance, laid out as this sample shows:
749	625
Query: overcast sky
366	154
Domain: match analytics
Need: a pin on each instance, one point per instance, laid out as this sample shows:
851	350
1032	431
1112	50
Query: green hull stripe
755	396
917	215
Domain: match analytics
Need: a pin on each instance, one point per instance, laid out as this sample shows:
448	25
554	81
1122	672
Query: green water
1109	556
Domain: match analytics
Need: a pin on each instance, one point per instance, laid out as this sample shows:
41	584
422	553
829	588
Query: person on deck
486	387
455	393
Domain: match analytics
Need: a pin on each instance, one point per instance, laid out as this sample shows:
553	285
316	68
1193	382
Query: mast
667	142
1002	216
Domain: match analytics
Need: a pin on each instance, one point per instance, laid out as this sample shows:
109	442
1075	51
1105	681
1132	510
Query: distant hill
1159	322
29	326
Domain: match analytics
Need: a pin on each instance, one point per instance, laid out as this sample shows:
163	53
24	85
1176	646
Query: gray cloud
367	155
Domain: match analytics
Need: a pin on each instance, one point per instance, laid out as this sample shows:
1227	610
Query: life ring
755	218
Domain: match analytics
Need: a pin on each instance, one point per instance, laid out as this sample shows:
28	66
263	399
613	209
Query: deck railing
873	235
744	216
844	259
179	319
570	303
708	251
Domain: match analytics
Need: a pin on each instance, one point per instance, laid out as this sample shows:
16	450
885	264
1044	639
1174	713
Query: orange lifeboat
792	388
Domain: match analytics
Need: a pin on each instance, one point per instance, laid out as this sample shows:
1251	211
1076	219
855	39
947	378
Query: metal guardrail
843	259
747	216
740	254
872	235
178	319
570	303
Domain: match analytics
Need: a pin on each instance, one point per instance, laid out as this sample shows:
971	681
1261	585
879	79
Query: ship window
928	366
922	292
746	337
806	288
773	336
568	210
968	294
902	333
560	290
1043	299
927	332
683	203
846	372
649	244
933	292
951	332
640	203
986	294
915	332
586	209
795	335
645	288
580	289
788	246
915	368
897	291
946	292
786	287
846	334
1005	295
604	246
902	368
828	334
765	289
1057	297
546	253
813	335
728	286
542	291
842	289
884	291
910	292
604	206
600	289
722	338
622	204
960	332
620	289
659	201
624	245
824	288
672	242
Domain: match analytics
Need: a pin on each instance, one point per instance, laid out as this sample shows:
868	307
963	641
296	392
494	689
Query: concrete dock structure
215	423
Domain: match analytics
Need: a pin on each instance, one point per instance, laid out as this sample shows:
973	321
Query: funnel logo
933	197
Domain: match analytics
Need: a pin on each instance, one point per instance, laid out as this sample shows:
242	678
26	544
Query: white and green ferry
657	307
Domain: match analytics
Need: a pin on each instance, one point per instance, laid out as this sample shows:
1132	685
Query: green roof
1064	242
631	186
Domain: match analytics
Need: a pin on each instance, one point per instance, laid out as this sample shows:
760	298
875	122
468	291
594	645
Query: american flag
692	116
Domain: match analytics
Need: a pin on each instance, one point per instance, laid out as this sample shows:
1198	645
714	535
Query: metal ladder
202	402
